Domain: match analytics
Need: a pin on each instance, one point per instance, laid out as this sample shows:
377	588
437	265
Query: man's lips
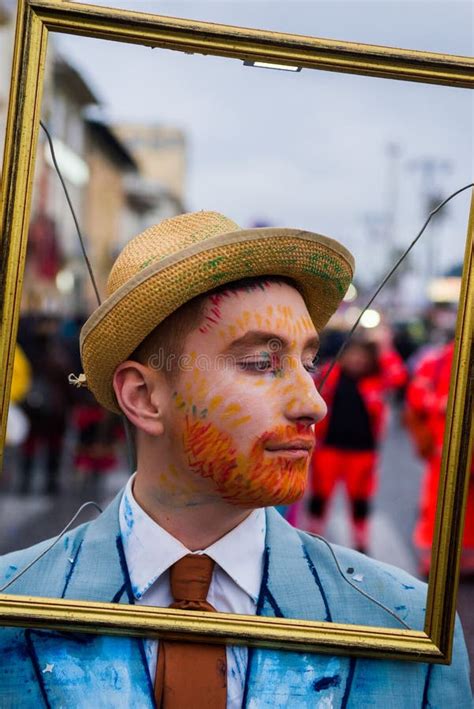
302	445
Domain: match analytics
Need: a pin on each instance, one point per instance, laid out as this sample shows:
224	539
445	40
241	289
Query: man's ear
138	390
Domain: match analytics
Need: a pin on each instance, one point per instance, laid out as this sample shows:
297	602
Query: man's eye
312	366
255	365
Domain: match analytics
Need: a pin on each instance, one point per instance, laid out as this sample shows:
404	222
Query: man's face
240	414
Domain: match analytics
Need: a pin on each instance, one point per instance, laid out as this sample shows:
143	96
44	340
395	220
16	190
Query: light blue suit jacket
300	581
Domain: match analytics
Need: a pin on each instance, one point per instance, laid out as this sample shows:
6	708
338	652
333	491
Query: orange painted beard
260	479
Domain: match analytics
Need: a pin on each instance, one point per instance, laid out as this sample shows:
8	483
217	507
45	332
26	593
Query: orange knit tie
191	674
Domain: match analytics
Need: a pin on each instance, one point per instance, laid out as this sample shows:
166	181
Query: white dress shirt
150	551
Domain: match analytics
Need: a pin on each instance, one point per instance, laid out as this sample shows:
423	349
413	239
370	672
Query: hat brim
321	267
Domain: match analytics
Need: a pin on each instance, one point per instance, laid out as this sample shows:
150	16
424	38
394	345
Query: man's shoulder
350	572
48	564
350	559
24	560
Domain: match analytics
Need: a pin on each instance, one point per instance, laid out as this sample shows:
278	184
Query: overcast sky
308	149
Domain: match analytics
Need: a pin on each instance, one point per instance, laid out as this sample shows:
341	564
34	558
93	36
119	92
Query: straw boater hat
185	256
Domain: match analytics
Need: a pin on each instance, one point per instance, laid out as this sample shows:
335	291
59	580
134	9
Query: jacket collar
98	571
286	561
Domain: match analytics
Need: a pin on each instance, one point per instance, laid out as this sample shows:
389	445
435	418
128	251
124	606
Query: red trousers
355	469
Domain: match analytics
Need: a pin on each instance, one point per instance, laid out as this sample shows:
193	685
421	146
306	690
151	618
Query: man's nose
305	404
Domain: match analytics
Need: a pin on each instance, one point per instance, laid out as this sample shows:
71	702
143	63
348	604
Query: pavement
26	520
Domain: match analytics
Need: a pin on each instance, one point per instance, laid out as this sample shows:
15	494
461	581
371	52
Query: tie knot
190	578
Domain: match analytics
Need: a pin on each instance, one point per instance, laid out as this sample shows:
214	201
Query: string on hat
81	380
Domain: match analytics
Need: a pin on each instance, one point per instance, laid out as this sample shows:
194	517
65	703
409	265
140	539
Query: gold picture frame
35	19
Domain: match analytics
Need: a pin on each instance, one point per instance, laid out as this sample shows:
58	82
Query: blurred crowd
388	368
59	437
53	427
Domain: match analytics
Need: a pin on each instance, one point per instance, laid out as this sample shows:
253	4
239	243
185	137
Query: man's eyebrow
261	338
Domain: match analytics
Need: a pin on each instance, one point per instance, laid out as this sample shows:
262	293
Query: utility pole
393	153
429	169
380	227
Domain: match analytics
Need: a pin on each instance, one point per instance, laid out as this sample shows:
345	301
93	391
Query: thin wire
56	540
364	593
126	424
55	163
387	277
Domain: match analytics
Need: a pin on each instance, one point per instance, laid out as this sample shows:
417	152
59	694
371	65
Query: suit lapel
292	588
83	670
290	582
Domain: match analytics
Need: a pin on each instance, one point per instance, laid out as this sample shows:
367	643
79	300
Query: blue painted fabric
40	668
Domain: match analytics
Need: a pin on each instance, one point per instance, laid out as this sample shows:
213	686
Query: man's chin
266	501
288	499
269	497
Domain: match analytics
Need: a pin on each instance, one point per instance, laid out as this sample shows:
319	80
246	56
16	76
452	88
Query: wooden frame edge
35	18
169	623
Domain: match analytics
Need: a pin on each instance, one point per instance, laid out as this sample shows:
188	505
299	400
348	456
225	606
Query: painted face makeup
274	472
241	418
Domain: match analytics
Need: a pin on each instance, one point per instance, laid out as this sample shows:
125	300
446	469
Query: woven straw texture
185	256
165	239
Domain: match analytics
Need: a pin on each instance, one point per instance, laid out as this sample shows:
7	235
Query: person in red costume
347	440
427	397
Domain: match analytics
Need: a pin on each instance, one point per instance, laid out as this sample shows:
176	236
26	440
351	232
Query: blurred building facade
106	202
53	275
160	151
120	180
157	190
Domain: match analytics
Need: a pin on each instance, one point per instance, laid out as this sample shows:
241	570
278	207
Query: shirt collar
150	550
240	553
